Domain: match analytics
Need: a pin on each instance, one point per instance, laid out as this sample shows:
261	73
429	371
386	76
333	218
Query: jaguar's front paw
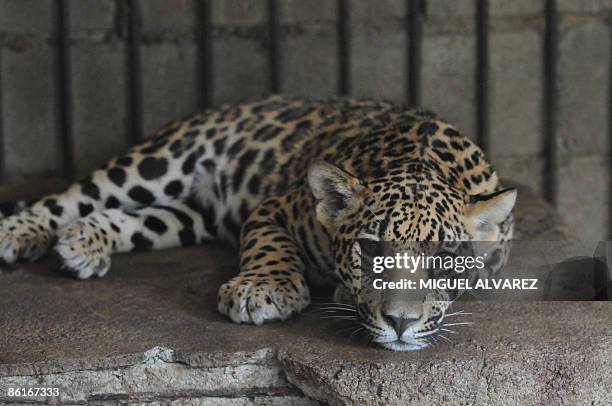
24	236
256	299
84	249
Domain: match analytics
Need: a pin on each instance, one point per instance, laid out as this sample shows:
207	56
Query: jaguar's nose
400	324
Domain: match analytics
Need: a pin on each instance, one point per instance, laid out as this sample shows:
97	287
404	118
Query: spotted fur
295	183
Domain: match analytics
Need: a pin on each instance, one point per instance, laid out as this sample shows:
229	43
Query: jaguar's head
413	214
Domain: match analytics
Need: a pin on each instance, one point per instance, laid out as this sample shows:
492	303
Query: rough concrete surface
149	333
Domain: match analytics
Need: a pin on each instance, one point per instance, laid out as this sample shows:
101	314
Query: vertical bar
550	103
274	49
344	48
416	12
610	141
482	76
134	79
2	156
64	88
205	52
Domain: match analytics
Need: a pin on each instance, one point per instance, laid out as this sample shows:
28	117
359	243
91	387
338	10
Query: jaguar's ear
485	212
337	192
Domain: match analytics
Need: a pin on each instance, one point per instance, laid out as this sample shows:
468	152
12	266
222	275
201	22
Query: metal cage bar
610	139
414	63
550	103
482	76
205	52
133	70
274	47
64	88
344	48
2	140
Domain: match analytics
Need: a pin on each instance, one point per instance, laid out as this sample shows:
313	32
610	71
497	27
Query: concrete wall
309	66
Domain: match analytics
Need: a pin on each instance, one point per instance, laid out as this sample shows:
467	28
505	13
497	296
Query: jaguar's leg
132	181
271	283
85	246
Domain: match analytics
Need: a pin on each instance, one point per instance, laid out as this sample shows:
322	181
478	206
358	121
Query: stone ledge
149	333
161	374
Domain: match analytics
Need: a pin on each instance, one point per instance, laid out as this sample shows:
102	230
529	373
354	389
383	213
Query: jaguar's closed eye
370	247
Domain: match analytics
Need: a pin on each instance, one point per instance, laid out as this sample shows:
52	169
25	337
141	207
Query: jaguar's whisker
335	307
355	333
449	330
340	317
374	214
332	309
459	313
345	329
337	304
435	342
457	324
445	338
335	314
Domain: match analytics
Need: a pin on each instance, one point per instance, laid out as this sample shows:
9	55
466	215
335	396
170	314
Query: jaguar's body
295	182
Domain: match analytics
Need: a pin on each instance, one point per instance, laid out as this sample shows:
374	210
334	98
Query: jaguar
297	184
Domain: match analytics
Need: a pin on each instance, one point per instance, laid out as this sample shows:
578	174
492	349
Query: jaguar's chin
400	345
